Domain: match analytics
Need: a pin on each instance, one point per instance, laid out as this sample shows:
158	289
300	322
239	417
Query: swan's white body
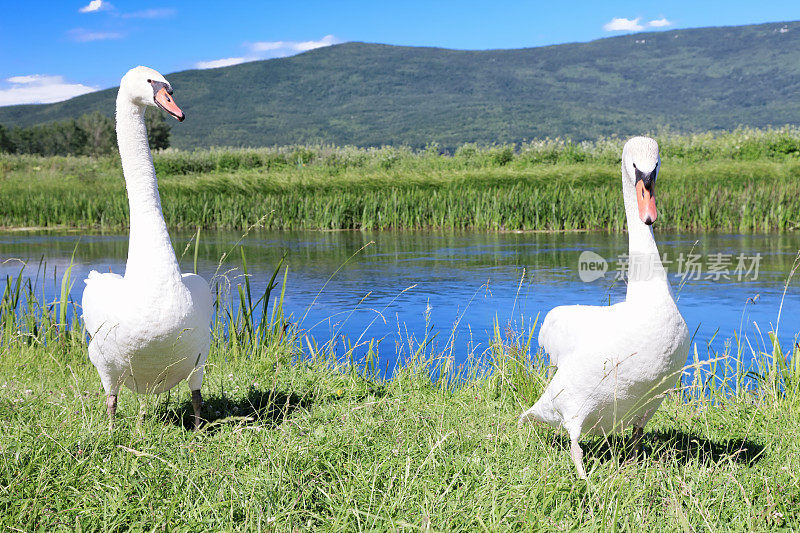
614	363
150	340
150	328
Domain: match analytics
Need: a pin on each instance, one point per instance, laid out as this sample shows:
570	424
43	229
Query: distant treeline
742	144
92	134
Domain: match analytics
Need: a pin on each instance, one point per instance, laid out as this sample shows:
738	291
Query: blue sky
51	50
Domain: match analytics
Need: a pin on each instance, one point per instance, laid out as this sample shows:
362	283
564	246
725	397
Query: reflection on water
388	282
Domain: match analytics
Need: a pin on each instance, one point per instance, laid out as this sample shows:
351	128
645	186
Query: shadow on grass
686	447
264	408
672	446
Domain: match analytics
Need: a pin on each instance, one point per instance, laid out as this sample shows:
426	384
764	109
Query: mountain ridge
370	94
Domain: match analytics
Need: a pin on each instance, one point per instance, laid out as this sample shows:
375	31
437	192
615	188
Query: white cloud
623	24
269	50
94	6
224	62
40	89
151	14
85	36
31	78
659	23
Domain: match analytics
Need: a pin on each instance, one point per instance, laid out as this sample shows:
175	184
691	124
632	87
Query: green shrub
301	156
503	155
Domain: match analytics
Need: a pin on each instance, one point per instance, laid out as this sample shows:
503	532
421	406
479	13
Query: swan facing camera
591	266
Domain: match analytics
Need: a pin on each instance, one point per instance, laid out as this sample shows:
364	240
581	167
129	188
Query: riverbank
743	181
299	439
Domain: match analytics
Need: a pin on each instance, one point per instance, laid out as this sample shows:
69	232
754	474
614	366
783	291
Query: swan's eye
149	81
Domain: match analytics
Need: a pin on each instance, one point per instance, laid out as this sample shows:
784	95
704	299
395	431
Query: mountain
374	94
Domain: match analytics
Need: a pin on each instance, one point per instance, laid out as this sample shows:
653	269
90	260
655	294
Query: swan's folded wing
571	328
99	298
201	293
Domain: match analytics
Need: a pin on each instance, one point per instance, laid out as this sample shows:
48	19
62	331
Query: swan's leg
111	407
111	379
195	382
577	453
142	412
197	403
636	450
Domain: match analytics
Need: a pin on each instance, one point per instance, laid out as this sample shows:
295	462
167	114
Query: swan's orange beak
647	202
164	101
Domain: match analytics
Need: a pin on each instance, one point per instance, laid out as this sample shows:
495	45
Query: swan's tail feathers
526	417
93	274
542	411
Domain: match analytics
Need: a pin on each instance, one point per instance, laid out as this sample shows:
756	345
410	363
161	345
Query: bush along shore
300	438
745	180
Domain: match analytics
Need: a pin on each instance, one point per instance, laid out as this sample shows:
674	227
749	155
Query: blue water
393	286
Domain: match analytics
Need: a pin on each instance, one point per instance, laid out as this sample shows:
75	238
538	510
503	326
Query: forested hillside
373	94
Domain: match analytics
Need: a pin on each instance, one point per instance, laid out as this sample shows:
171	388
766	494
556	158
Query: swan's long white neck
647	279
150	252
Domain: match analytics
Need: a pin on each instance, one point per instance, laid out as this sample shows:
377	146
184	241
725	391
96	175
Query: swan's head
145	86
640	164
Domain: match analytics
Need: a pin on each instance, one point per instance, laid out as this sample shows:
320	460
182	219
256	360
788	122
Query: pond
390	286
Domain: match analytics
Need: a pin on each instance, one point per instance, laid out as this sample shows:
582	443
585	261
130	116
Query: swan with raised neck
150	328
615	363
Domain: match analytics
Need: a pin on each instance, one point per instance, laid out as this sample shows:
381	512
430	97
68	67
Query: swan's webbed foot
111	407
197	404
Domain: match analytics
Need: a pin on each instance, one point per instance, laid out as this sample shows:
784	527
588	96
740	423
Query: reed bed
744	180
302	437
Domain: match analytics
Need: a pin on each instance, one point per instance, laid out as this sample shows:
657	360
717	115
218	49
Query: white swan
150	328
616	362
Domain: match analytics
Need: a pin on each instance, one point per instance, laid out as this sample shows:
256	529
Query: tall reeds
736	181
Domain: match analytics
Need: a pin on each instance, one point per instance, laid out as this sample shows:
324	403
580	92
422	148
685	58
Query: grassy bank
740	181
298	440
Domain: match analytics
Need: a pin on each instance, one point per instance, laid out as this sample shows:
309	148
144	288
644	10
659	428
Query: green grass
308	446
299	441
741	181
